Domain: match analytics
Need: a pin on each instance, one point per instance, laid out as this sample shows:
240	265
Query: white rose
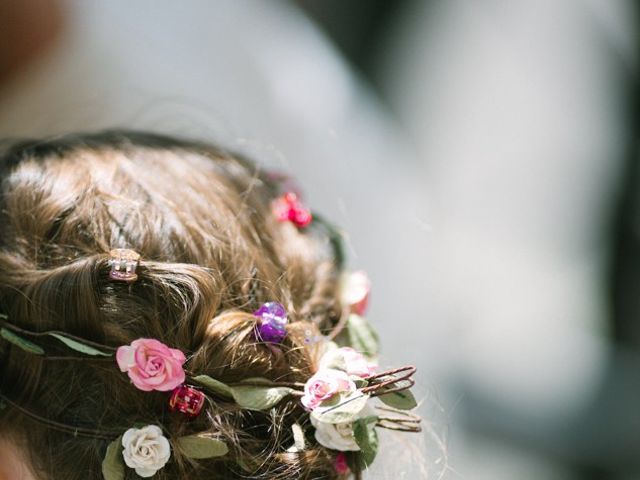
146	450
339	436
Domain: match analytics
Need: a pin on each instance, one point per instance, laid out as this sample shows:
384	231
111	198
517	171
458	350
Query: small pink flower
151	365
349	360
288	207
340	464
356	289
324	385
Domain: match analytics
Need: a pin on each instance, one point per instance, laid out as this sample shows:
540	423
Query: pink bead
187	400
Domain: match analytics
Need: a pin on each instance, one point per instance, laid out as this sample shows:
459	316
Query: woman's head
212	253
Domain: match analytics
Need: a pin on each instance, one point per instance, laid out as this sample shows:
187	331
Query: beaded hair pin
346	399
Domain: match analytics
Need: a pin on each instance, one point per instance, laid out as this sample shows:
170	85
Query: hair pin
123	264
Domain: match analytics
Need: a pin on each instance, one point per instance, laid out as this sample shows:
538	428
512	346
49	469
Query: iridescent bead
186	400
272	322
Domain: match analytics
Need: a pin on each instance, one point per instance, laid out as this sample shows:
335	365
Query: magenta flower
151	365
340	464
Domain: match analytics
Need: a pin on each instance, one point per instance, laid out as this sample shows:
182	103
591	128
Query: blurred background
482	157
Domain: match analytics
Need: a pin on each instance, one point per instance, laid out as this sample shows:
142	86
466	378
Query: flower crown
347	398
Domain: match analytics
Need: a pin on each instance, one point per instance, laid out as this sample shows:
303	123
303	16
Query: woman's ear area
13	465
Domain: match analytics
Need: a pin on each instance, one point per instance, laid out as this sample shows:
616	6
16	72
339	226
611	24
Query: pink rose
151	365
349	360
324	385
355	291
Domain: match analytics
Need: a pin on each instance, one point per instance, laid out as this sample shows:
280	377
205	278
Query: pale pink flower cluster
348	360
337	367
324	385
151	365
355	291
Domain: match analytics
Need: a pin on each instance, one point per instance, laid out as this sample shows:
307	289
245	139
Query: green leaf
18	341
251	397
262	381
259	398
113	463
360	382
345	411
362	337
370	420
403	400
214	386
198	446
335	238
79	347
367	439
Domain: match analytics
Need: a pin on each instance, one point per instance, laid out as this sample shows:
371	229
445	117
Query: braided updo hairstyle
212	253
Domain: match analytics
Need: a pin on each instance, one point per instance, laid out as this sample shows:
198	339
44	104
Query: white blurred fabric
515	108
